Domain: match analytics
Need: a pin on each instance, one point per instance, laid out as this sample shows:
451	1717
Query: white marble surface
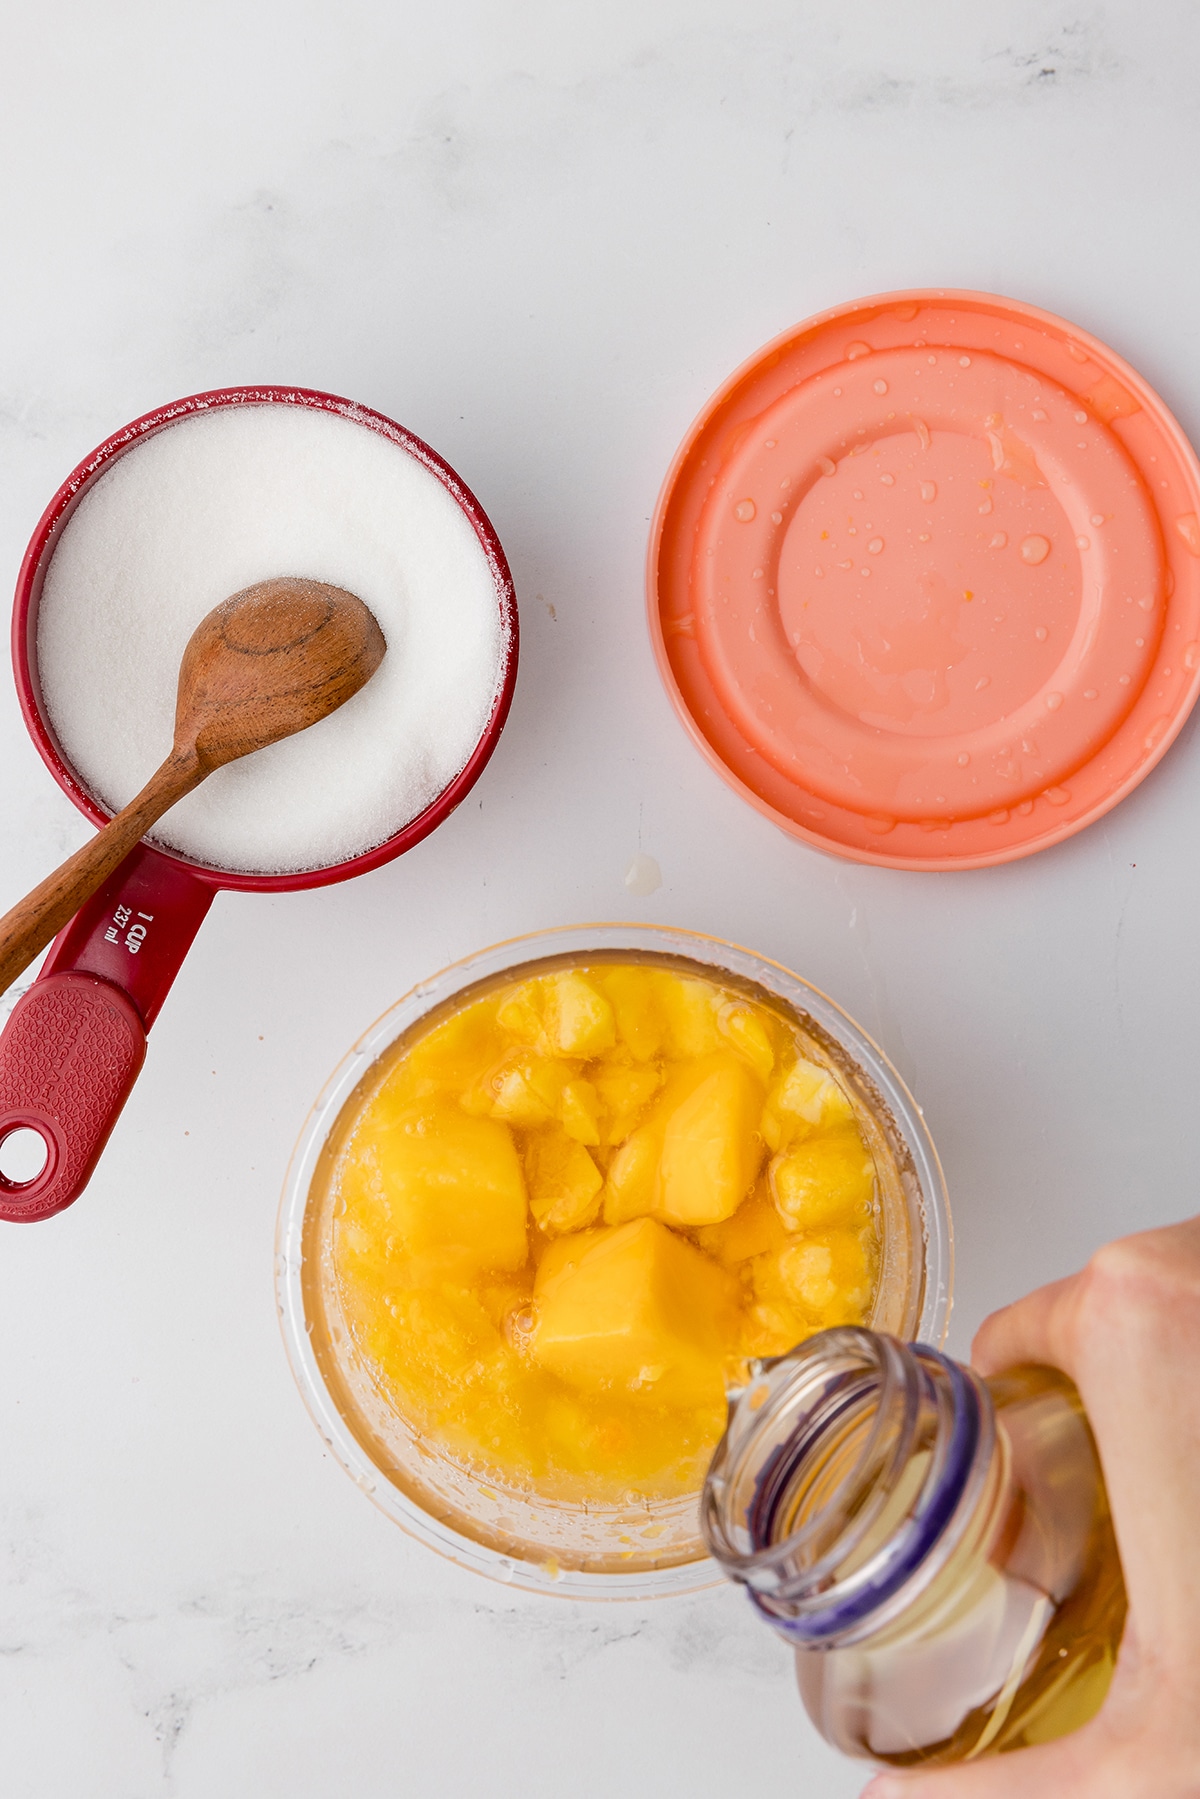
539	235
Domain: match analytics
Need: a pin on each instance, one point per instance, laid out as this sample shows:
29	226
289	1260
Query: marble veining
539	236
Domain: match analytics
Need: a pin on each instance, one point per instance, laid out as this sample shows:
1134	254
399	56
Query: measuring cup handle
75	1042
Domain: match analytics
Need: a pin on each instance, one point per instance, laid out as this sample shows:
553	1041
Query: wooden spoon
263	665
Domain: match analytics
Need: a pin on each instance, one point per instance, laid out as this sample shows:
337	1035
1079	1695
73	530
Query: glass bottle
936	1546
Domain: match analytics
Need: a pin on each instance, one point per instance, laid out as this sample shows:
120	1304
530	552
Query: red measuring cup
75	1042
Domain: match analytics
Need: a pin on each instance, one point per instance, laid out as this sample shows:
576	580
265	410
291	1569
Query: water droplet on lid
1025	808
1076	351
888	480
962	758
922	431
1089	693
924	537
1191	655
826	465
846	564
964	362
1058	796
1140	642
818	570
880	386
931	359
1080	418
1035	549
853	531
768	443
1123	680
1097	518
1188	527
745	510
757	575
858	493
777	518
983	681
928	491
1038	414
855	350
1083	543
1156	733
999	818
864	571
1147	603
1053	701
985	506
998	541
875	545
837	393
1041	633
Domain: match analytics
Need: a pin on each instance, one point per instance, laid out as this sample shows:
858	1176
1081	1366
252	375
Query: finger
1034	1329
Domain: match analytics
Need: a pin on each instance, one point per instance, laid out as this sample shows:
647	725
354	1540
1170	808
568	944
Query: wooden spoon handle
42	914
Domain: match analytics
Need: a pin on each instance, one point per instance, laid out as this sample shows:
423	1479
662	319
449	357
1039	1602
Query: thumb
1066	1769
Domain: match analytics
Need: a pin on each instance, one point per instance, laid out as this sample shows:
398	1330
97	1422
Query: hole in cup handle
69	1056
24	1155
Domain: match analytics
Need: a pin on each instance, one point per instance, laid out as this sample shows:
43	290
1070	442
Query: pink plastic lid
924	580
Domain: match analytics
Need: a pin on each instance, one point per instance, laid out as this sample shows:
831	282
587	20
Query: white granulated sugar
211	505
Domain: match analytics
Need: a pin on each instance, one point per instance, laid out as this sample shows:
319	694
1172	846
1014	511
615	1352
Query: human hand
1127	1331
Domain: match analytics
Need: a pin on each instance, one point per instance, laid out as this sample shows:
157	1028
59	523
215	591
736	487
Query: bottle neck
851	1472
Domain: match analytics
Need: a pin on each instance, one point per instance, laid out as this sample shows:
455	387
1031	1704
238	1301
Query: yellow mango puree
569	1212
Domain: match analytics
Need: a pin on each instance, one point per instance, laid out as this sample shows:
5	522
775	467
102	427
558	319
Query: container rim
937	1269
41	547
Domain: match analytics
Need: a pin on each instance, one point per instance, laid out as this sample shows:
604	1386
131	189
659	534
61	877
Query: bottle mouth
842	1468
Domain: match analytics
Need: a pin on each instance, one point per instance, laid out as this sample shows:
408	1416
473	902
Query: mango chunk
579	1110
566	1252
579	1020
631	1188
748	1034
711	1150
694	1157
690	1010
453	1057
453	1184
564	1182
771	1328
640	1023
519	1013
525	1089
826	1180
828	1275
806	1098
625	1090
642	1310
754	1229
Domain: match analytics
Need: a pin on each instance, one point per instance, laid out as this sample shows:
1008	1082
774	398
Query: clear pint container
515	1533
936	1546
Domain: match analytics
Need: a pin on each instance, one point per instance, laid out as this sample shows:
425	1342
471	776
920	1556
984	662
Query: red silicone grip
68	1057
